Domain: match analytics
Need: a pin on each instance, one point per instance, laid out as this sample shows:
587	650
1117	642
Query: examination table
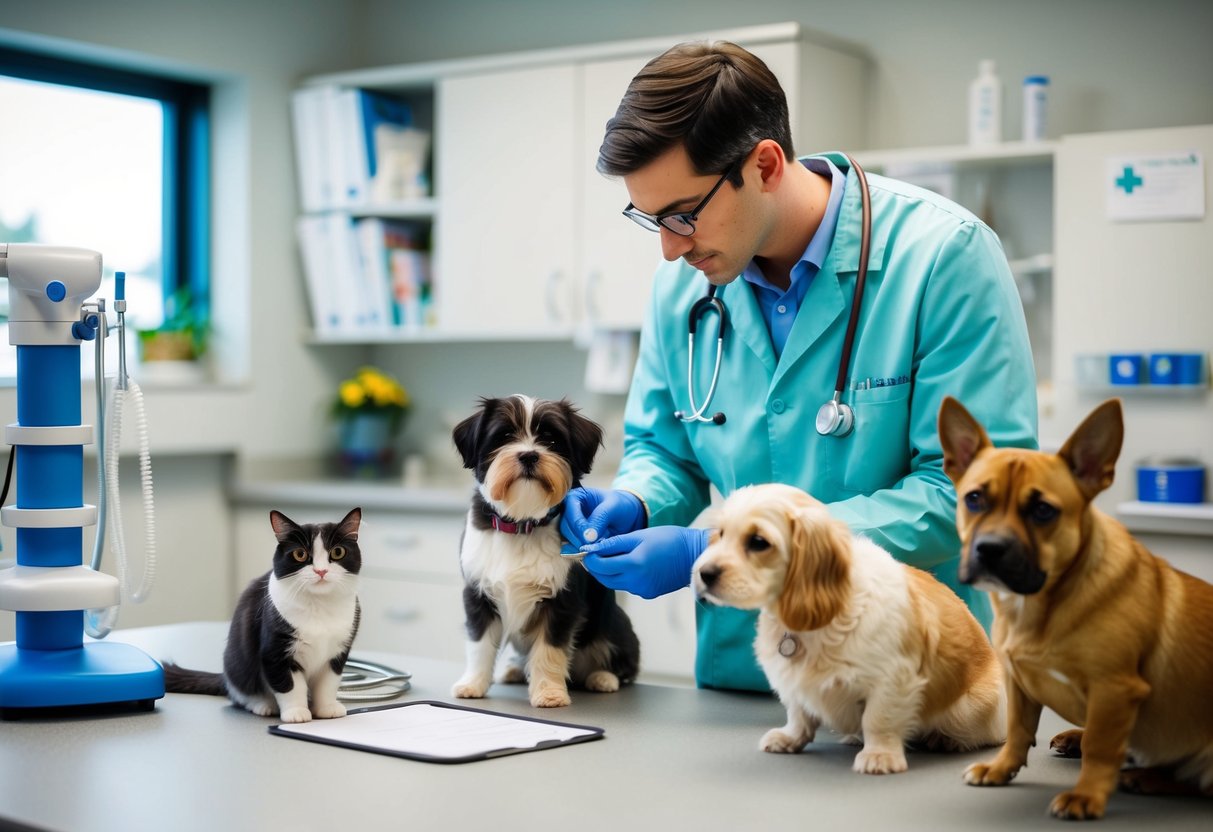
673	759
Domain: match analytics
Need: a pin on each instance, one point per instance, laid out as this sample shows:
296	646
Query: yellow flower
371	389
352	394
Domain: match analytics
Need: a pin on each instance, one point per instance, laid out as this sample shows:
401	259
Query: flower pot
365	444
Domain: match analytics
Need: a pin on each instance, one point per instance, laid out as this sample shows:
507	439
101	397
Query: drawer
410	545
416	618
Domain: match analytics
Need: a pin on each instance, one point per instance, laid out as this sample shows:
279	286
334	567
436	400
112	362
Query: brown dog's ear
818	580
1094	446
961	436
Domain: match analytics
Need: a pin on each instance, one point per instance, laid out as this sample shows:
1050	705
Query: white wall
1114	64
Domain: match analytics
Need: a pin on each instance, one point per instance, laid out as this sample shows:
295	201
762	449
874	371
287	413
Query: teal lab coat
940	315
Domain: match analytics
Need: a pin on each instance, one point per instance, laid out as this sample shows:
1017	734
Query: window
109	160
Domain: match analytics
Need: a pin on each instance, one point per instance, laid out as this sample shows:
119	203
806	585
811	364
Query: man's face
723	242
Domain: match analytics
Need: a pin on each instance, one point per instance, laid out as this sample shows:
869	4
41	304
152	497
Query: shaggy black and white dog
564	626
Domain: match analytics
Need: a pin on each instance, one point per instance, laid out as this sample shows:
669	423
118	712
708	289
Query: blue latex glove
648	562
592	514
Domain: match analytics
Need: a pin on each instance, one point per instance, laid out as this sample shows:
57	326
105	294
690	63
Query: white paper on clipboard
438	732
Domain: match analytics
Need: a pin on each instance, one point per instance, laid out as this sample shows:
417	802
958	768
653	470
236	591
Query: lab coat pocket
877	454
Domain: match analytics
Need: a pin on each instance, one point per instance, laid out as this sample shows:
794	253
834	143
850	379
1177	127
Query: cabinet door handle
403	541
591	296
402	613
552	297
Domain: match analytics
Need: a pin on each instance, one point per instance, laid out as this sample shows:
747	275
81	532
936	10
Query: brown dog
1087	621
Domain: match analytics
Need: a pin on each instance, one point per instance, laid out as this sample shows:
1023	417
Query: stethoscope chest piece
835	418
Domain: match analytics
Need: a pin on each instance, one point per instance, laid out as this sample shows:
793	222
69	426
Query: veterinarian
703	144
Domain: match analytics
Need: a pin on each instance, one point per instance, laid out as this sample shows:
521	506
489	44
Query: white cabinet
617	257
507	172
528	241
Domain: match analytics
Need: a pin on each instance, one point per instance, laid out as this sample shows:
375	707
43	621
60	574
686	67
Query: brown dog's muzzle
1006	560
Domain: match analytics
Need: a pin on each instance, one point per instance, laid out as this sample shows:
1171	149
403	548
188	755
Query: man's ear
771	163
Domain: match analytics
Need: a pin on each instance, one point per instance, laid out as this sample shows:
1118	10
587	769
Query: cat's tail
179	679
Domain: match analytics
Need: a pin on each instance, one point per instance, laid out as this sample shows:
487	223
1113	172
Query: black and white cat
293	627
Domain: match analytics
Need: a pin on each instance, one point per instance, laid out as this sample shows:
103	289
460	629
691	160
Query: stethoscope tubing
709	301
835	417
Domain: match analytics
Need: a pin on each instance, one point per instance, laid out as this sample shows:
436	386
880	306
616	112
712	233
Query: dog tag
788	645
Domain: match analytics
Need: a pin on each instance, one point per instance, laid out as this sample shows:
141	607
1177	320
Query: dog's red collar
522	526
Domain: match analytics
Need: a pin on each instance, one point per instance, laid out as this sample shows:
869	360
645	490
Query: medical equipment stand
49	668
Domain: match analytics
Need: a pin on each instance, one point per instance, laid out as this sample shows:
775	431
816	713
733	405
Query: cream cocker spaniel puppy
849	637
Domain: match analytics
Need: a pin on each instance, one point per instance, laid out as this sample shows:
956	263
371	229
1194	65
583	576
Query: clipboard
438	732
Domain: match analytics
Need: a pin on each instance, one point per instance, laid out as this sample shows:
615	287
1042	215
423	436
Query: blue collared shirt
779	308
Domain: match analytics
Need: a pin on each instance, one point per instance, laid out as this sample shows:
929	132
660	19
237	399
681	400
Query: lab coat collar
747	321
844	253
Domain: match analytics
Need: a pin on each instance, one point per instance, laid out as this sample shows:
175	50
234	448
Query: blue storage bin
1171	481
1177	368
1126	368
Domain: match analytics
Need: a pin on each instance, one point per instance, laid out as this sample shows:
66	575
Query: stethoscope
835	417
367	681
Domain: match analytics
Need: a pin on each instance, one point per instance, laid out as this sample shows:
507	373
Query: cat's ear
468	432
281	524
348	527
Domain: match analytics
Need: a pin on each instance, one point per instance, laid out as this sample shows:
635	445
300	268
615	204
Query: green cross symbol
1129	180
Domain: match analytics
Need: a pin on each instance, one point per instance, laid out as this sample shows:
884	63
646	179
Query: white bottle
1035	99
985	106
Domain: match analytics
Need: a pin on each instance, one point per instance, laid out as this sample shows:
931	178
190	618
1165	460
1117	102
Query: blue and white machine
51	667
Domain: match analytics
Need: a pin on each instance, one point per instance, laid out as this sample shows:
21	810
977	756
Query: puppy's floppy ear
468	433
818	580
585	437
961	436
1093	447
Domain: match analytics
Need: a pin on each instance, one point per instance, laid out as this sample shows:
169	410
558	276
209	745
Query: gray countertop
673	758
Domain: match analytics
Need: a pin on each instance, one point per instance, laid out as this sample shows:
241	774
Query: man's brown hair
716	99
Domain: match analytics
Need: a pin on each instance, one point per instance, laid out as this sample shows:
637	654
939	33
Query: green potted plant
183	334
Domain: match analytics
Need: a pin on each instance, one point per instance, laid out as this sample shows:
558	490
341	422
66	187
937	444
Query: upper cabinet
506	238
525	237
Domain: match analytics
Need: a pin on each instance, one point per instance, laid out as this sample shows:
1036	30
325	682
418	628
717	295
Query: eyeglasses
681	223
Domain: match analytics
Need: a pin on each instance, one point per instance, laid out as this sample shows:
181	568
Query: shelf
410	209
1142	389
962	156
1167	518
437	335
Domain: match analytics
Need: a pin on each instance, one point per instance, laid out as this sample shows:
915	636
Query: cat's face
317	557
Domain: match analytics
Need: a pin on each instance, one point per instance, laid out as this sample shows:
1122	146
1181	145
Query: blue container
1190	368
1164	368
1171	481
1126	368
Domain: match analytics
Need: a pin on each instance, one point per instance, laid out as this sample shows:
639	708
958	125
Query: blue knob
83	331
119	285
56	291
